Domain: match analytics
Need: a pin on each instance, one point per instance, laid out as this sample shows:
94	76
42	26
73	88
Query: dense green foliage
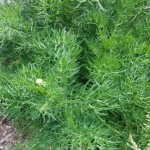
94	59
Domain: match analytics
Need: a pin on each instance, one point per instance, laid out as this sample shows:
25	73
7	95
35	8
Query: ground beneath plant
8	134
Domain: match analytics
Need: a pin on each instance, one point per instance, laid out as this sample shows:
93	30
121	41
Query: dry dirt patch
8	134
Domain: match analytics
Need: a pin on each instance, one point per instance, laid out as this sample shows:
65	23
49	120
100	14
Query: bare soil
8	134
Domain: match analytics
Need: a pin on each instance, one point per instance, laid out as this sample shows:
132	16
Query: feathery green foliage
93	57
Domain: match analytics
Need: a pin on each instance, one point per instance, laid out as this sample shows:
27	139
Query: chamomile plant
74	74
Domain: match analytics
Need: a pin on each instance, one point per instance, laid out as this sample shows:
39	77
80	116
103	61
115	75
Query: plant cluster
75	74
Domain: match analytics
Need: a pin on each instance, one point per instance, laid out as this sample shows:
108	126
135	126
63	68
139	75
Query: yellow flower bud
39	82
